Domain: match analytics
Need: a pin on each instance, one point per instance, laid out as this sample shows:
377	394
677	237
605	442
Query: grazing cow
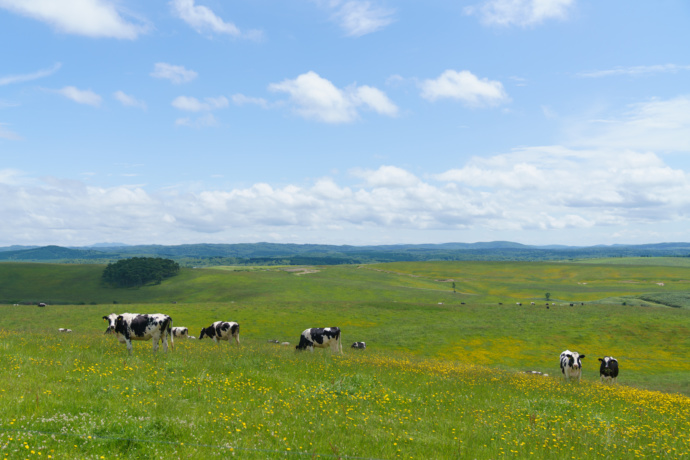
221	330
571	366
360	345
535	373
285	344
274	341
321	338
42	304
133	326
180	332
192	337
609	369
62	329
531	303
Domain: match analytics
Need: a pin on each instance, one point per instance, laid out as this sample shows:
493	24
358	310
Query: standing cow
609	369
320	338
222	330
133	326
571	366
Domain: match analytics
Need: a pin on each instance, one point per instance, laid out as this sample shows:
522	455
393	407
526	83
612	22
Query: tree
139	271
547	295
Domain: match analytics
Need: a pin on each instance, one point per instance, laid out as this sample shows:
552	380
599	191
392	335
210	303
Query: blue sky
344	121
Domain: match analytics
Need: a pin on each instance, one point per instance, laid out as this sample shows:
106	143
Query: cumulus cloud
521	13
175	73
358	18
92	18
129	101
532	189
466	87
87	96
199	122
192	104
241	99
203	20
9	79
317	98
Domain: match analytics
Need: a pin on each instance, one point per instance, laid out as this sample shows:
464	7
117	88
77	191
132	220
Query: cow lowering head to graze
180	332
221	330
62	329
320	338
360	345
608	371
571	366
133	326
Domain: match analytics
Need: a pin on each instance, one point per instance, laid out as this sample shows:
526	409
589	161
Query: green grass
440	377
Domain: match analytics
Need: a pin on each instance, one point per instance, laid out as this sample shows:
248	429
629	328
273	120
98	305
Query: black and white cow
62	329
180	332
133	326
221	330
608	371
361	345
571	366
320	338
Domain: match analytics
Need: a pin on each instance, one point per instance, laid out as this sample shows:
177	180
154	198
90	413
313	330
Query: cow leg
129	346
215	339
155	344
237	339
165	343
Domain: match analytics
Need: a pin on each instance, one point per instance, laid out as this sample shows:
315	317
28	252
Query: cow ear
582	356
119	319
105	318
601	360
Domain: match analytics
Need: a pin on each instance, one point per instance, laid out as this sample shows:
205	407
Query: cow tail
169	332
340	343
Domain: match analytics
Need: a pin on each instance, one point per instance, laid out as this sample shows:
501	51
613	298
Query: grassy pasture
439	378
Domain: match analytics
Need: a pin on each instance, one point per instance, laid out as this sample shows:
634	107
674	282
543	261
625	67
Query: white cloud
657	125
520	12
87	96
466	87
358	18
316	98
241	99
534	190
203	19
29	77
175	73
92	18
6	133
192	104
199	122
128	100
635	70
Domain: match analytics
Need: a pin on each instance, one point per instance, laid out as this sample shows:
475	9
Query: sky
358	122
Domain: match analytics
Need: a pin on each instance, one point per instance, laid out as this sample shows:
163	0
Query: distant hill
316	254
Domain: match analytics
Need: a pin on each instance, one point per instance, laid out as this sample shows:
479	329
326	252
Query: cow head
207	332
110	319
607	363
573	359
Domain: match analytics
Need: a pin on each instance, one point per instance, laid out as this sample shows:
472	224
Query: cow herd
158	327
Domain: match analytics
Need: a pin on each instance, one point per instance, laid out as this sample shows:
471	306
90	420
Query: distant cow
360	345
532	303
221	330
62	329
571	366
133	326
42	304
320	338
180	332
609	369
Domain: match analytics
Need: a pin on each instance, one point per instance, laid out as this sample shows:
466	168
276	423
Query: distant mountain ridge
319	254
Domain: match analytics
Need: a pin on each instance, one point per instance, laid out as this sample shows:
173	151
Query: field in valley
440	377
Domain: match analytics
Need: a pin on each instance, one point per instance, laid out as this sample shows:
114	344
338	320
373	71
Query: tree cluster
139	271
